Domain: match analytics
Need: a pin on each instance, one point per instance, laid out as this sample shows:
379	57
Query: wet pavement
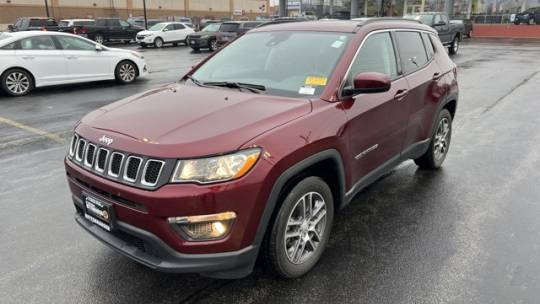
468	233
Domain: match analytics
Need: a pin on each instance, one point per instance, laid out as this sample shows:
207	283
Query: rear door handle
72	57
28	57
437	76
400	94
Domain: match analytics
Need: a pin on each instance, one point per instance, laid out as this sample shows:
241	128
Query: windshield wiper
255	88
195	80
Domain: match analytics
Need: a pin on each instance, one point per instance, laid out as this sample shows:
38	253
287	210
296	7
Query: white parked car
36	59
165	32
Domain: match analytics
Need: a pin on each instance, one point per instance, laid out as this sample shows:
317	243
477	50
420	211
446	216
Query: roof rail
377	19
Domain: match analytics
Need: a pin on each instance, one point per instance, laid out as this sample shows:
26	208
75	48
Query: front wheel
213	45
301	228
454	47
158	43
126	72
17	82
440	143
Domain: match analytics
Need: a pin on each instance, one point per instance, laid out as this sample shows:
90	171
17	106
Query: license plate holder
99	212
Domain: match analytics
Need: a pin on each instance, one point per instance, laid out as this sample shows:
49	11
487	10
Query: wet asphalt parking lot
469	233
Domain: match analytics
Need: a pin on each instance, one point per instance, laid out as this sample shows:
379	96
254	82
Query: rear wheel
531	21
158	42
126	72
175	44
196	49
454	47
301	228
440	143
469	34
17	82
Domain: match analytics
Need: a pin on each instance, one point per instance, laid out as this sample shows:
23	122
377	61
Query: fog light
204	227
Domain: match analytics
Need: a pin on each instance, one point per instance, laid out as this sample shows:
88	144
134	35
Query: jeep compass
250	155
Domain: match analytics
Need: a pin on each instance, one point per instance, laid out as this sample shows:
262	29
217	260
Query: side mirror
10	28
165	29
99	48
369	82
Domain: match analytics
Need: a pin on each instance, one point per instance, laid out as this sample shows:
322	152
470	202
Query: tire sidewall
156	42
442	114
4	86
284	267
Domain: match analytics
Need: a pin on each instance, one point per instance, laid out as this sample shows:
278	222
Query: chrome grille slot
115	164
73	145
101	159
151	172
80	150
90	155
131	171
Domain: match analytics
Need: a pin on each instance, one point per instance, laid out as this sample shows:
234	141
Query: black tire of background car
273	251
428	159
3	82
452	49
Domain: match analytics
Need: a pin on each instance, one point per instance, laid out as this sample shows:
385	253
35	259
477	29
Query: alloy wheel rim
214	45
127	72
442	138
17	83
456	45
305	228
159	43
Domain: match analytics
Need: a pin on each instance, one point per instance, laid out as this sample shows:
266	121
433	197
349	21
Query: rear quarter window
229	27
430	50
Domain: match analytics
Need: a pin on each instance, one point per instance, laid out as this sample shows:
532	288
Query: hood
189	121
146	32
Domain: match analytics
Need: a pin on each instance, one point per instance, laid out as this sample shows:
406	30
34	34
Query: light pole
145	18
47	8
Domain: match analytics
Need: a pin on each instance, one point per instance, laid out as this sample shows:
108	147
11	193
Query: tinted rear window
229	27
63	23
37	22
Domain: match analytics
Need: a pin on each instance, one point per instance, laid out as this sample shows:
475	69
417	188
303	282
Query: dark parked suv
228	31
261	143
205	39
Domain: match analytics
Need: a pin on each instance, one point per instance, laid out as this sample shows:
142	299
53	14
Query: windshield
157	27
425	19
214	27
292	64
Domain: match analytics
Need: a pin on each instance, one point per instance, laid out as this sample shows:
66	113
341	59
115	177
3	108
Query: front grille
131	171
151	172
120	166
115	164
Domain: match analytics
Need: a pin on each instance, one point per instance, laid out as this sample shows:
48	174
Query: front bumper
145	40
147	249
198	43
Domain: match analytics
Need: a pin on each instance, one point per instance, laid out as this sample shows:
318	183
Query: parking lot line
21	126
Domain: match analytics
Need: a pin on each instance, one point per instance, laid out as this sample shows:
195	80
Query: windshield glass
157	27
214	27
292	64
425	19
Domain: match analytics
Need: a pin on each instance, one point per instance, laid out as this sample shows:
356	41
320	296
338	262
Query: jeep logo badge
106	140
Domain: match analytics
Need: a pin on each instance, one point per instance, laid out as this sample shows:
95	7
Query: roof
344	26
25	34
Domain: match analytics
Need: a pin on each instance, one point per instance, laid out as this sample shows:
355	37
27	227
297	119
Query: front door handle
437	76
28	57
72	57
400	94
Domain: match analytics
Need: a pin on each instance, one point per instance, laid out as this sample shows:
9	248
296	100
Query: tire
454	47
196	49
439	143
17	82
531	21
143	45
126	72
213	45
175	44
296	254
517	22
469	34
158	43
99	38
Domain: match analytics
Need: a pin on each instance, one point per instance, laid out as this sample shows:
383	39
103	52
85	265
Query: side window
101	22
437	19
38	43
169	27
11	46
411	50
75	44
178	26
445	19
123	23
376	55
429	46
36	23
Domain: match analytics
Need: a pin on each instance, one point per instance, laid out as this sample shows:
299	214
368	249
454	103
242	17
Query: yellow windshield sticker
316	80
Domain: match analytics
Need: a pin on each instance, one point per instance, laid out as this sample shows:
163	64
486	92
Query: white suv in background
36	59
165	32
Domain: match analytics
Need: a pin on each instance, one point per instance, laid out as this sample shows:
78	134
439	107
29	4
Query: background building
62	9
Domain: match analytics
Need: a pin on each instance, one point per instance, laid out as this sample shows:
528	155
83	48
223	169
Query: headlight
215	169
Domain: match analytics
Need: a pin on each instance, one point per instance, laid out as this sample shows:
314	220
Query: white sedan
37	59
165	32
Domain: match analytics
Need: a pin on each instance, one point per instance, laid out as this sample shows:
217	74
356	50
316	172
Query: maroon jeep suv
251	154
